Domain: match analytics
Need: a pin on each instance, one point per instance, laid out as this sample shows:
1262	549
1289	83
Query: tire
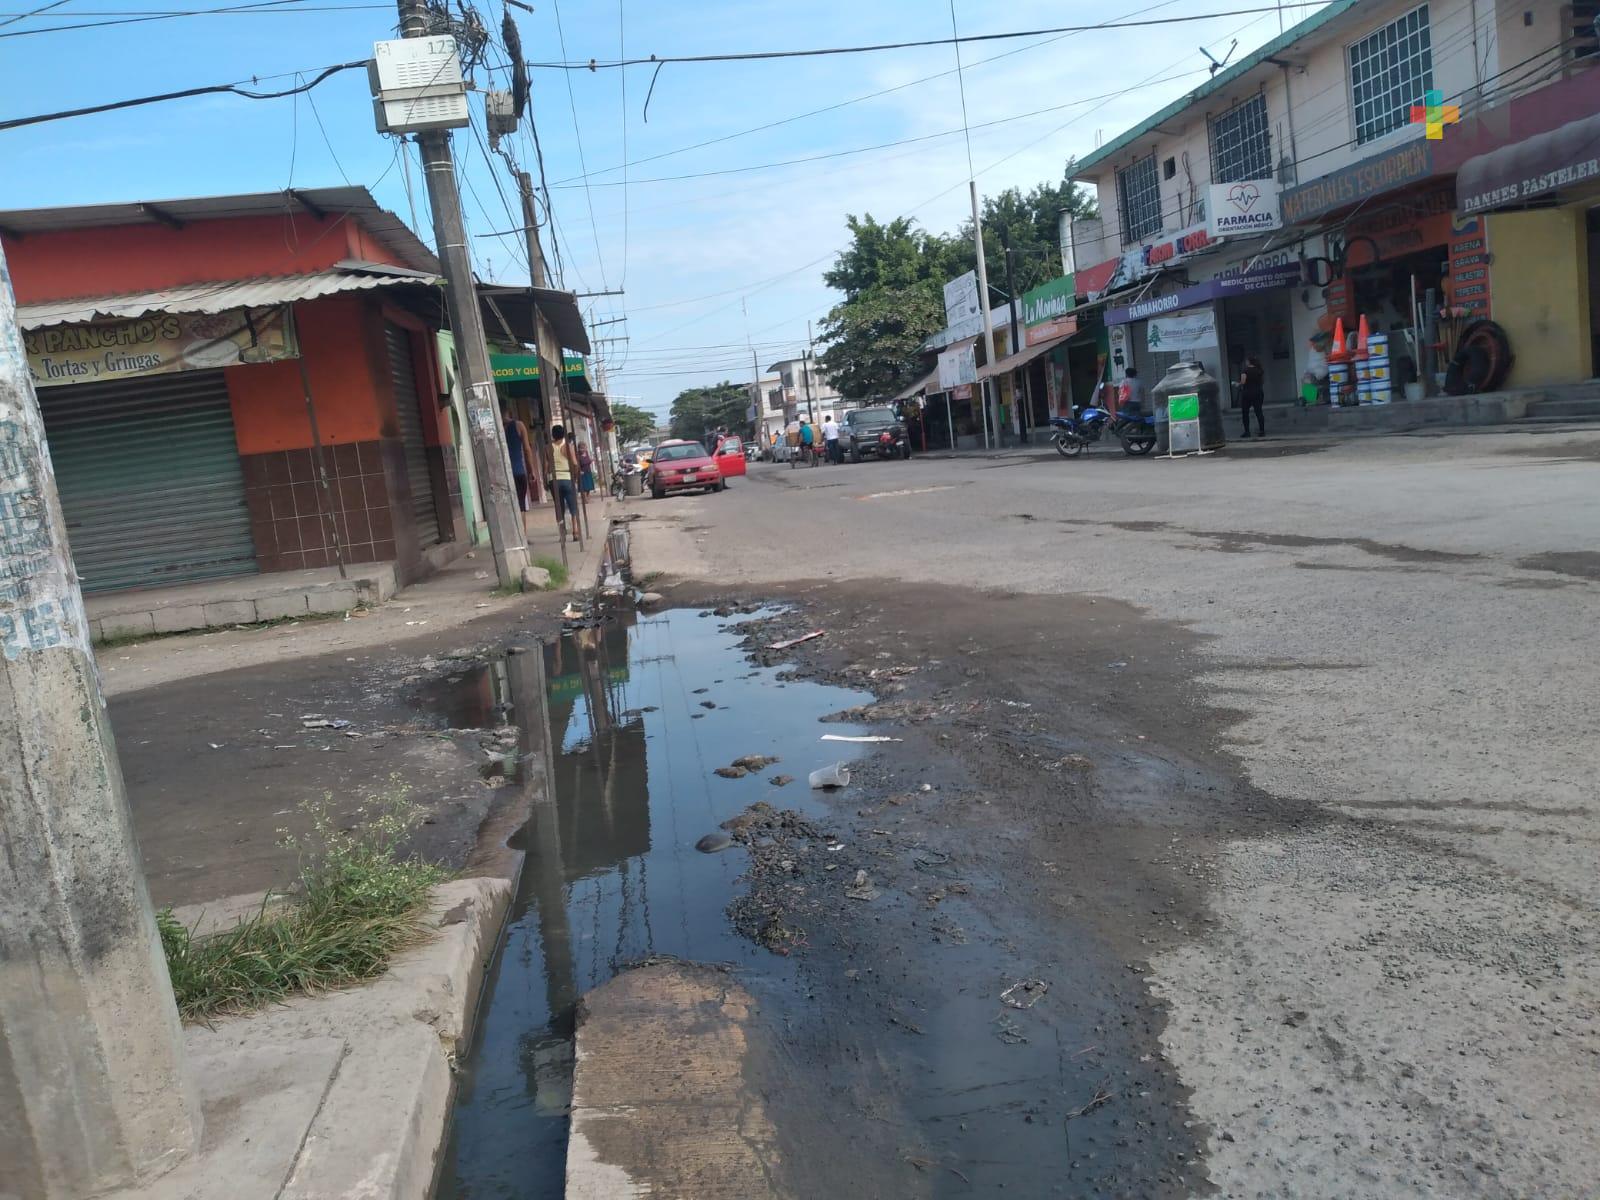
855	454
1068	447
658	493
1137	447
905	452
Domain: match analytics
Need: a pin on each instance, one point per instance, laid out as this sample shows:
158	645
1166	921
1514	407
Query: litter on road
1025	994
815	633
839	737
836	776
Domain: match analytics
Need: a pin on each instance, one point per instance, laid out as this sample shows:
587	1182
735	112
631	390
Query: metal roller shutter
408	406
149	476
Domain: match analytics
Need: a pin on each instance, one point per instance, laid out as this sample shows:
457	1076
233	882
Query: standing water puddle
642	713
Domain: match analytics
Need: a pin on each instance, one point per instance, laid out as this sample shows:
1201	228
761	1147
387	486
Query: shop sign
1359	181
961	299
957	366
1048	301
1244	208
1265	277
515	368
158	344
1144	261
1047	331
1182	331
1467	284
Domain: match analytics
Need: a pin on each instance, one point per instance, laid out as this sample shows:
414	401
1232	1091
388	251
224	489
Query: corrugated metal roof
1216	83
219	297
337	201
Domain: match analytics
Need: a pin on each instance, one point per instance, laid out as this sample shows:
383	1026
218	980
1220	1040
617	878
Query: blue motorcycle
1135	430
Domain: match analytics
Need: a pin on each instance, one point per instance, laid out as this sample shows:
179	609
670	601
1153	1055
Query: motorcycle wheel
1067	446
1135	447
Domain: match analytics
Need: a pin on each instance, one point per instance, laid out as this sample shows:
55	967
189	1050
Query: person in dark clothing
520	452
1253	394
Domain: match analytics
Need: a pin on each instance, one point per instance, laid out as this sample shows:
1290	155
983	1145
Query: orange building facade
239	384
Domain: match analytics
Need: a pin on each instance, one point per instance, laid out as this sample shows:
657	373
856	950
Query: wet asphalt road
1377	975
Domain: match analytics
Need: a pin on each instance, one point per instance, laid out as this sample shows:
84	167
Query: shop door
149	477
408	410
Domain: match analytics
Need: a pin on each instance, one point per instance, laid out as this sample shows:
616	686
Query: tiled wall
282	493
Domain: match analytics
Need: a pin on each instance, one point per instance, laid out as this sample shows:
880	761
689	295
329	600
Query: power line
758	55
910	141
815	112
234	88
13	18
583	165
259	8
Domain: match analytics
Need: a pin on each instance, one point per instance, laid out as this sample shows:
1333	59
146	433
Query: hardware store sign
157	344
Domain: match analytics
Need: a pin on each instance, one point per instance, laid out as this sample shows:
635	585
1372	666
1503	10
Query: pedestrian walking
520	450
1133	394
566	472
585	469
830	437
1252	394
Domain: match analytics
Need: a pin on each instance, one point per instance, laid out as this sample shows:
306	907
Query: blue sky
710	265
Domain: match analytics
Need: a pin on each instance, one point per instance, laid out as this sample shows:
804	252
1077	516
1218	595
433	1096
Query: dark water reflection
612	875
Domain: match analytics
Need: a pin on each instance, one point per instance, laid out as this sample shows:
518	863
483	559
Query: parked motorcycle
1135	430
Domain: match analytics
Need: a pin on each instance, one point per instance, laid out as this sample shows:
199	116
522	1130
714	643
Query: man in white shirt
830	435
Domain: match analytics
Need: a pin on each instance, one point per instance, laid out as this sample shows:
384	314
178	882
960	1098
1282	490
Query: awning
1533	169
932	377
1023	357
508	311
221	297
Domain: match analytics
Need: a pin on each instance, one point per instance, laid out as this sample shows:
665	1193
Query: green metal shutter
408	407
150	482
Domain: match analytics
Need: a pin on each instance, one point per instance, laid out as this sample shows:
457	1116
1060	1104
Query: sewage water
612	873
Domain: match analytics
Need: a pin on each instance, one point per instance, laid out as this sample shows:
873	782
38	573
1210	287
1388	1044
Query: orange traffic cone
1362	333
1336	352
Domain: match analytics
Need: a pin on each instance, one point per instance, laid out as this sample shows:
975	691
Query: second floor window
1139	198
1390	70
1241	146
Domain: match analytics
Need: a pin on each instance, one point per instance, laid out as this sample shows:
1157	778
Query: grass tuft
557	569
358	903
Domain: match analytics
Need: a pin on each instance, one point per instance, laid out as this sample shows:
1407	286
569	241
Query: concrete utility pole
1024	411
991	406
811	406
93	1093
506	537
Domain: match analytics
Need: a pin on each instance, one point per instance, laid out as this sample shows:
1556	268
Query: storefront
236	385
1190	323
1539	201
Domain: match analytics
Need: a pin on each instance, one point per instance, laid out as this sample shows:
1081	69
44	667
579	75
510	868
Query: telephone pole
811	407
991	406
506	536
94	1092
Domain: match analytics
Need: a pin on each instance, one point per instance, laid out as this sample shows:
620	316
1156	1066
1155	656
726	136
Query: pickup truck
864	433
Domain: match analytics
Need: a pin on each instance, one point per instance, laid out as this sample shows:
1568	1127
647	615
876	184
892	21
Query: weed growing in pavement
357	904
557	569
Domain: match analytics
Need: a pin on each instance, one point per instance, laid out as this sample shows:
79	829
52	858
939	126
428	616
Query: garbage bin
1186	379
633	483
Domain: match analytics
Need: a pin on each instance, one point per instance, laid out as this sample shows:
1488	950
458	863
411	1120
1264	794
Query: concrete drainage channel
642	711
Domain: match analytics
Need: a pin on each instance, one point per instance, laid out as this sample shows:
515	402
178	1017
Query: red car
729	454
678	466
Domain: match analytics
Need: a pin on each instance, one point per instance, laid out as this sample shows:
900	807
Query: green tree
893	274
698	411
634	424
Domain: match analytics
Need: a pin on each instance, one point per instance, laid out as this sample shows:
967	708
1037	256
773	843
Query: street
1286	757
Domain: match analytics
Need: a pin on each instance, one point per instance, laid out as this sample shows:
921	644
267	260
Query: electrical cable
326	141
236	89
622	77
13	18
815	112
910	141
577	134
259	8
758	55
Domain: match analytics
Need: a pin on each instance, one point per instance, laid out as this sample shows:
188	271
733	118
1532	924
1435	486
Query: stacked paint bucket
1339	368
1378	379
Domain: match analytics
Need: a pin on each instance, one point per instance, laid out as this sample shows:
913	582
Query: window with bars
1241	146
1139	198
1390	70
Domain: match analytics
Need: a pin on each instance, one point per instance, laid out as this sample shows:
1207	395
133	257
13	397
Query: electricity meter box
417	85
